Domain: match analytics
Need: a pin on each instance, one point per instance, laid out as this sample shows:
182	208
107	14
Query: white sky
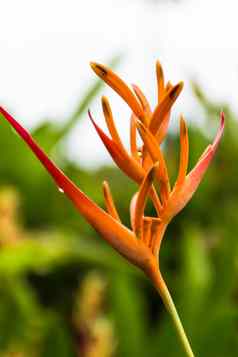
46	47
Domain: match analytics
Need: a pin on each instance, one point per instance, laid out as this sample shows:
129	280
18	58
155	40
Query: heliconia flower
146	166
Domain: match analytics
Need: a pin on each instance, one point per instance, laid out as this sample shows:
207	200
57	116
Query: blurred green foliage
48	252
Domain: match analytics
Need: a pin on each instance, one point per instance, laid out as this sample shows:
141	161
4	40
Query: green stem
161	287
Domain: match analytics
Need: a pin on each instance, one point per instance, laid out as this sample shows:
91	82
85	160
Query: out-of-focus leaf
226	259
22	321
129	315
57	340
41	255
219	332
196	276
49	134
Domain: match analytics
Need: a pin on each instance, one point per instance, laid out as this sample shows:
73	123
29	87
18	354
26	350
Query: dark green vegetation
49	254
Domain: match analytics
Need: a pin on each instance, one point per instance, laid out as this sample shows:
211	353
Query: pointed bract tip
220	131
134	86
159	68
169	85
179	86
4	112
183	125
222	115
176	90
91	117
222	120
104	99
106	106
93	65
98	130
98	68
181	119
105	186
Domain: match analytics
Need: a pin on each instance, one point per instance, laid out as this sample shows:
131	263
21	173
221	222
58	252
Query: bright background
46	47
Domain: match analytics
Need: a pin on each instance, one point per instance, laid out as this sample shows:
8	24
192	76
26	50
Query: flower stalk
140	244
164	293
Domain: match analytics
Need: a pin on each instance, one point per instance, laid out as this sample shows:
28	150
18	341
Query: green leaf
129	315
22	320
43	254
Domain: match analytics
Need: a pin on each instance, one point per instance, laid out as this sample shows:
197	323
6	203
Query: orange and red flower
145	165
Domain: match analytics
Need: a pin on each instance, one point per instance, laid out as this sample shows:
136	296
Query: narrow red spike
110	229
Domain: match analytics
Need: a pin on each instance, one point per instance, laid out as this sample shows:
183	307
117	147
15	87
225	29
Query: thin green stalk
161	287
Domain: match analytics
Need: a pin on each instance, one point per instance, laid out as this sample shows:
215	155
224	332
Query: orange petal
126	163
155	230
110	229
111	208
163	129
133	145
169	85
179	198
184	153
141	201
119	86
160	81
132	210
196	175
156	201
146	159
146	237
110	122
156	155
143	101
164	107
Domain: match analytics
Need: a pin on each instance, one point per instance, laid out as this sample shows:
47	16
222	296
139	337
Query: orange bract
145	165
